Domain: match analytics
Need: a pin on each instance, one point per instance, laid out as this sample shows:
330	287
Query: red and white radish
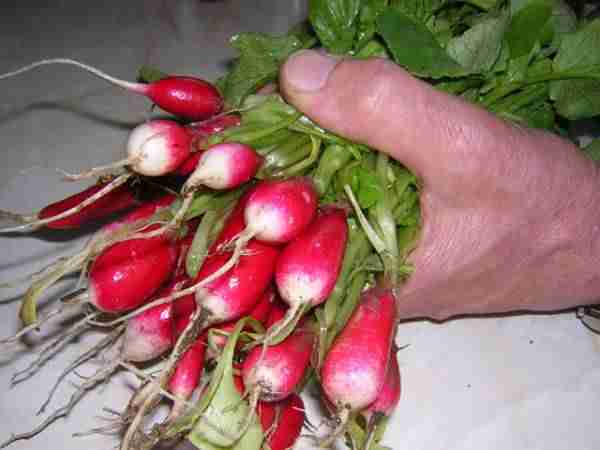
187	97
150	334
278	211
217	336
154	148
308	267
355	367
96	202
273	373
224	166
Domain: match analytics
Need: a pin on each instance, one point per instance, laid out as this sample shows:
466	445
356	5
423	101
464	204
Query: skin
511	216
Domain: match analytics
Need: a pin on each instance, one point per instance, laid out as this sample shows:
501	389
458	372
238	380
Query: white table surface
521	382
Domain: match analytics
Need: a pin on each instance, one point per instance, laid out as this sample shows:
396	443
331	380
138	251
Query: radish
354	370
278	211
154	148
199	132
224	166
95	202
150	334
127	273
273	373
389	395
187	97
308	267
281	421
217	337
234	293
186	376
377	413
143	212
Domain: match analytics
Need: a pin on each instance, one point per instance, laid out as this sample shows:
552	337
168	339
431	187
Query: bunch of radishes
246	271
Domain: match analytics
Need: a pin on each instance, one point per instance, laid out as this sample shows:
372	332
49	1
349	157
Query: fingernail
308	70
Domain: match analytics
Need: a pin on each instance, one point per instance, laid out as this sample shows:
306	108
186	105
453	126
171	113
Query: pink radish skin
224	166
277	370
151	333
355	367
309	265
158	147
187	97
389	396
278	211
121	198
127	273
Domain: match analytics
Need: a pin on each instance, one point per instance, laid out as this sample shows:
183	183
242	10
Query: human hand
510	215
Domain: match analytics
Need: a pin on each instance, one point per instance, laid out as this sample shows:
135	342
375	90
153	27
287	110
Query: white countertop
521	382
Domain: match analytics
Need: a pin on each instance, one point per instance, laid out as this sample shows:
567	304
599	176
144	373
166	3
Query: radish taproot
308	268
93	203
354	369
187	97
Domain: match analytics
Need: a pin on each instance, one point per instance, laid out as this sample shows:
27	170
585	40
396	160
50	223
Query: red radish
234	293
201	130
189	165
95	202
186	376
308	267
260	313
213	126
150	334
127	273
272	373
389	395
386	402
354	370
282	422
187	97
224	166
145	211
154	148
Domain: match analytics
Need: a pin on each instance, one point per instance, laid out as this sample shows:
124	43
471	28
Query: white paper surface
522	382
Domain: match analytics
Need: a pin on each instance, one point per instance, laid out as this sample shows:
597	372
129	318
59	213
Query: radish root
100	376
81	359
51	349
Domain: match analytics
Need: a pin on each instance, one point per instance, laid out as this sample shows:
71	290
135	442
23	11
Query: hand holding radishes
475	213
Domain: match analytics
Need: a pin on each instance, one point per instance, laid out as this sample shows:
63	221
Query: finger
377	103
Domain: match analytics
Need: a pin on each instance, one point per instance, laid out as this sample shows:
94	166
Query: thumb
377	103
